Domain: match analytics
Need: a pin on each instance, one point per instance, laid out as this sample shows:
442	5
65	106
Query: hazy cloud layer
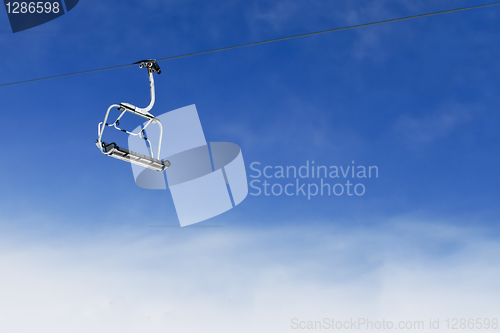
232	280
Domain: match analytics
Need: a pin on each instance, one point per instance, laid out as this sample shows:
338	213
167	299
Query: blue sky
415	98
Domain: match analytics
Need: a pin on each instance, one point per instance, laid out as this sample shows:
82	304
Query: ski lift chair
113	150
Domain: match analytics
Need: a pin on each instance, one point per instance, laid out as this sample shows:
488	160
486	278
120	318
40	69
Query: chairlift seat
113	150
126	155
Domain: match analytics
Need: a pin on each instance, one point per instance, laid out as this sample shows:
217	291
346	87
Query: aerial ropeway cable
263	42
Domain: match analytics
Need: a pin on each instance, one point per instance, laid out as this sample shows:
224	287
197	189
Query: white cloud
253	280
426	129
